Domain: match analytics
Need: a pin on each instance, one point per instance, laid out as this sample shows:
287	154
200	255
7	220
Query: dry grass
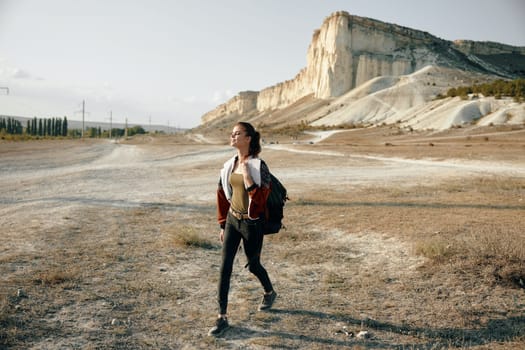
427	265
470	260
190	237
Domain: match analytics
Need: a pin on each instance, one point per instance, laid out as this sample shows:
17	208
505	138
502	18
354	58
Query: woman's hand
221	235
244	167
248	181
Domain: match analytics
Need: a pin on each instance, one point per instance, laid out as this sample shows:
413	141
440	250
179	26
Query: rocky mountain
361	70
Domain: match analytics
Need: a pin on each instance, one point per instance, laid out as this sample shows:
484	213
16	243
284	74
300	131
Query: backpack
275	206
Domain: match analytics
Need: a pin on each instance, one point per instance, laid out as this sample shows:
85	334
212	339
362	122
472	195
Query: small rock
363	335
342	329
115	322
20	293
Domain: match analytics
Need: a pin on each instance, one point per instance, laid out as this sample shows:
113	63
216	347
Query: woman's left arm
259	194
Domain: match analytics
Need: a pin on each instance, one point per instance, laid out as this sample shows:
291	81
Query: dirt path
370	170
90	232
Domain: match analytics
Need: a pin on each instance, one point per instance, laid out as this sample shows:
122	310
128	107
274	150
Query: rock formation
348	51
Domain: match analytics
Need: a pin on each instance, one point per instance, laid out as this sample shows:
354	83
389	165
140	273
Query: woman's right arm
223	205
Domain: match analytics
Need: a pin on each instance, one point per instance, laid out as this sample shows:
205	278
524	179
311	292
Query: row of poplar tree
35	126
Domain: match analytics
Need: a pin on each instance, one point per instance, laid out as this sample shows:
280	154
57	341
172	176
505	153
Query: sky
163	62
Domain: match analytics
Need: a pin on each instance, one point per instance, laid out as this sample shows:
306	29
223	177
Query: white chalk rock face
348	51
329	59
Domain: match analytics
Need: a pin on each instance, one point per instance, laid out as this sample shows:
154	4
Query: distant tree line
98	132
498	88
11	126
34	127
115	132
58	127
47	127
134	130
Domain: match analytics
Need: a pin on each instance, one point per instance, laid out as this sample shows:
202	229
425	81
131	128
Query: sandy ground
55	191
127	175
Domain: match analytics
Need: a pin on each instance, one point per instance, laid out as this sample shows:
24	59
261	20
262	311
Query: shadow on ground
496	330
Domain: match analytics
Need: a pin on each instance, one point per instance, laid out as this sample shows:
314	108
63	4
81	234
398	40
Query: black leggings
250	231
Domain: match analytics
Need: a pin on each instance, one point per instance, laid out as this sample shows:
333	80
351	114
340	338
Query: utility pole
126	132
83	113
110	123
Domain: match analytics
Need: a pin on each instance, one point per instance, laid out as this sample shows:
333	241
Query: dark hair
255	142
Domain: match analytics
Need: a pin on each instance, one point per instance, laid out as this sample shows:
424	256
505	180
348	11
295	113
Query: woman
241	202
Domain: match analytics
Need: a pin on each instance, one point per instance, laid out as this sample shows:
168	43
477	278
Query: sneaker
267	301
221	324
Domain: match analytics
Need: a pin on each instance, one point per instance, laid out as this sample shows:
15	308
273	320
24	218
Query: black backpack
275	206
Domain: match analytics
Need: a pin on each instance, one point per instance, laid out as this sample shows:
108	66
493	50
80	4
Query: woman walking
242	192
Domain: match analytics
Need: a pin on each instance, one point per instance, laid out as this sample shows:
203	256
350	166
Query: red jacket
257	196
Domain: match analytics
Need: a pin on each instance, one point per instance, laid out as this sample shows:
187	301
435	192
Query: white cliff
348	51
